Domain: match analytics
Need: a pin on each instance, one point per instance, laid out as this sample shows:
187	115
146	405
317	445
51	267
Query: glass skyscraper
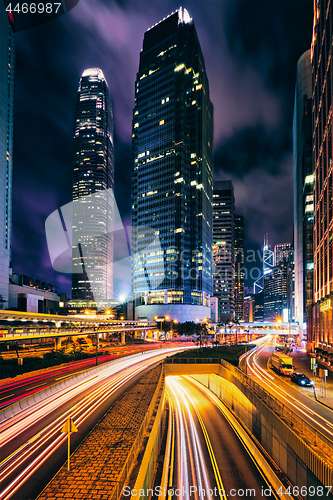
224	248
93	182
303	191
172	174
7	58
239	267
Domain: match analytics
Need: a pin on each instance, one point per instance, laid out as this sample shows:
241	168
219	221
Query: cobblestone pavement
97	463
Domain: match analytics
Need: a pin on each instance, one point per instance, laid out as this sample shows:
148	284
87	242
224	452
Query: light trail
207	458
191	464
23	462
290	401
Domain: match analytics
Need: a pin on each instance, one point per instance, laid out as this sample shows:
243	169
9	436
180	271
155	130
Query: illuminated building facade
249	303
93	176
281	251
276	291
224	248
239	267
321	334
172	138
7	59
303	191
258	314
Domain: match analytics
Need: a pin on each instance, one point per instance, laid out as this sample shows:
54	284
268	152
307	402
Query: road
294	397
10	392
32	448
207	459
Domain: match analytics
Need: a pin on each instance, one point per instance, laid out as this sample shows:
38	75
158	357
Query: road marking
173	447
8	396
35	387
70	375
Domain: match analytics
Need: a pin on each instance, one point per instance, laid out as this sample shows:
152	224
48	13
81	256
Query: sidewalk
303	364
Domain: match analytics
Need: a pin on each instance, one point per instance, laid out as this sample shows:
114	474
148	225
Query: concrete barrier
146	473
108	458
302	453
43	394
249	442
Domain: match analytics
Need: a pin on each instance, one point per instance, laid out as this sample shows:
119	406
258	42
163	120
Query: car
301	379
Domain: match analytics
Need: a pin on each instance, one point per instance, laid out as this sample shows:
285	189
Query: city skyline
240	130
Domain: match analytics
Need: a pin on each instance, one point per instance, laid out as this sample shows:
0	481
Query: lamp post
166	318
97	345
175	321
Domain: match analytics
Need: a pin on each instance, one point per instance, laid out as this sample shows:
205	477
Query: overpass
260	327
63	326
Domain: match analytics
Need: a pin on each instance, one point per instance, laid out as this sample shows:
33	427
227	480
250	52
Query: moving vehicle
301	379
282	363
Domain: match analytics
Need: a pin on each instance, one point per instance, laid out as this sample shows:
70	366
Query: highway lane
293	397
31	445
207	459
11	391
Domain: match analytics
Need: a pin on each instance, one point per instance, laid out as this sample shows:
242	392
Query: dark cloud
251	49
252	148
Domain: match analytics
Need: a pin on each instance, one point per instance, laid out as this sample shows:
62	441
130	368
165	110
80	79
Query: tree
187	328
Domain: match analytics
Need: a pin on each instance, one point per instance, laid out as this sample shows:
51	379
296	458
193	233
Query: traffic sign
69	426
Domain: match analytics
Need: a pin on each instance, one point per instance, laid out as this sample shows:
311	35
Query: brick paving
97	463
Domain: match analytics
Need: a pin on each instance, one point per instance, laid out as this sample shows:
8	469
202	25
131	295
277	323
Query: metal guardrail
67	333
116	492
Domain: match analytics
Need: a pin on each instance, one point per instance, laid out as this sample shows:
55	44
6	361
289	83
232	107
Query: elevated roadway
65	325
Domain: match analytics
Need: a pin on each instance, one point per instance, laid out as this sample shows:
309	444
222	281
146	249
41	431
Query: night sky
251	50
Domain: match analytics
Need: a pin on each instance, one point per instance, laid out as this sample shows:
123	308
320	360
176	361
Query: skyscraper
92	178
321	336
224	248
281	251
276	291
239	267
303	191
7	58
172	174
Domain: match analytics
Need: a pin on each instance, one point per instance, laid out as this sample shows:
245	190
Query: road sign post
323	374
69	427
314	369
